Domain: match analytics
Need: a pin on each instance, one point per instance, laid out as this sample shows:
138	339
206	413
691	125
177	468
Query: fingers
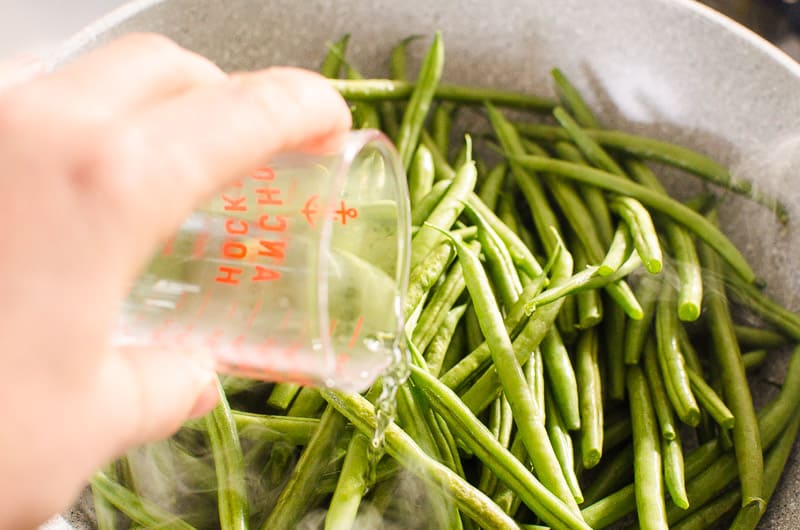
191	146
159	390
19	70
130	72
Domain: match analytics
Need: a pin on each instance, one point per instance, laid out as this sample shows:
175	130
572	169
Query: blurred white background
37	26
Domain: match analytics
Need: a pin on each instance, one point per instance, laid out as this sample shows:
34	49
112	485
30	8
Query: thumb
157	390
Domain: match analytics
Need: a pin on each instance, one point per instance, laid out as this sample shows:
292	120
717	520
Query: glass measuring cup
295	273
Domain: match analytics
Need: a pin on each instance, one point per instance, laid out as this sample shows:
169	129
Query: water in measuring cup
246	286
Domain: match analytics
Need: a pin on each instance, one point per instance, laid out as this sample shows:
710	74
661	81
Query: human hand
99	163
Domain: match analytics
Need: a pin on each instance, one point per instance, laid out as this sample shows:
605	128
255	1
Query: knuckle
107	170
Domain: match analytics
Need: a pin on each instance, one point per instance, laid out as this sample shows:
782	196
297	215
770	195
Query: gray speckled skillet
669	68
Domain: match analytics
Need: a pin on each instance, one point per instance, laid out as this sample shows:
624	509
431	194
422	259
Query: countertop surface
38	26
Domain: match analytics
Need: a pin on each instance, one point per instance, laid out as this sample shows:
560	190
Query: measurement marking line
253	313
203	304
180	301
285	320
356	331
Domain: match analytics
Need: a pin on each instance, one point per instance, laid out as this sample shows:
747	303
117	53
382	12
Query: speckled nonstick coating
668	68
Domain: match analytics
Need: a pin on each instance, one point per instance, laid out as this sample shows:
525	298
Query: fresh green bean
588	301
423	209
435	354
351	486
532	428
711	401
411	409
420	176
746	439
585	280
567	320
400	446
104	511
442	125
595	198
389	89
674	479
648	485
487	387
520	253
332	64
590	149
544	218
754	359
467	233
308	403
685	216
398	58
618	251
614	334
448	454
572	99
479	357
229	465
705	429
443	169
506	212
668	153
500	424
623	502
562	377
637	330
489	189
269	428
437	307
424	275
710	513
500	266
774	466
504	496
752	337
365	114
473	329
690	292
658	393
574	210
591	398
509	470
292	503
460	156
765	307
671	361
561	441
623	295
534	375
282	396
420	101
140	510
444	214
643	233
450	443
487	481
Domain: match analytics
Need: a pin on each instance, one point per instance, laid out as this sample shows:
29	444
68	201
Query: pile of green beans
580	343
